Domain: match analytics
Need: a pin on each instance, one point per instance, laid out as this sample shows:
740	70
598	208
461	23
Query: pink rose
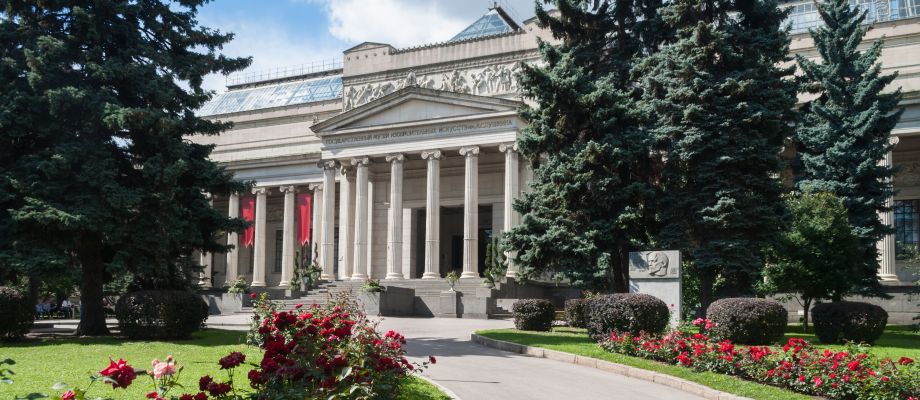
68	395
163	369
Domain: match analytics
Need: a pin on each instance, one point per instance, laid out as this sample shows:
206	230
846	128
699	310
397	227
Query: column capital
893	140
397	157
327	164
315	186
508	147
360	161
472	151
432	155
286	188
259	191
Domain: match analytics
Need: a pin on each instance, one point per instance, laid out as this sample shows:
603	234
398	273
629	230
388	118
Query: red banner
248	205
304	207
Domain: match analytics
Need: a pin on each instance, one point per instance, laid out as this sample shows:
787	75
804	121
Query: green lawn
897	341
41	363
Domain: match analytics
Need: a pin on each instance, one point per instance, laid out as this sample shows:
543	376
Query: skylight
285	94
492	23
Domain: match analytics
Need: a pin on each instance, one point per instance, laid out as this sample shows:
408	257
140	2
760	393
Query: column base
284	284
327	277
257	284
359	277
469	275
887	278
431	275
394	275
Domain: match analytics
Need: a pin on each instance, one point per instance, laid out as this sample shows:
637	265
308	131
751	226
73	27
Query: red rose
252	295
232	360
151	395
432	360
120	372
905	361
201	396
68	395
203	382
186	396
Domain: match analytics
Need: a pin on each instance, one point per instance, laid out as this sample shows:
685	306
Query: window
279	243
907	222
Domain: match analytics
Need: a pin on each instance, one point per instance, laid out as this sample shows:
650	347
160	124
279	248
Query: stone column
511	192
471	213
258	268
316	219
287	242
204	279
233	239
394	226
433	215
346	222
327	247
360	256
370	228
887	270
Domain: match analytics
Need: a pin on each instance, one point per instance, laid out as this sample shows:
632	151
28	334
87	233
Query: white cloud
270	46
403	23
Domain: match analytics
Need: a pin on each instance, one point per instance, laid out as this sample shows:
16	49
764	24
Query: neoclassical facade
404	163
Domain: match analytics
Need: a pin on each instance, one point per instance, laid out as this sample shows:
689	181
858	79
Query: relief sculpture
485	81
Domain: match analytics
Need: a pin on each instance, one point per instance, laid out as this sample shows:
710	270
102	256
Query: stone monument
657	273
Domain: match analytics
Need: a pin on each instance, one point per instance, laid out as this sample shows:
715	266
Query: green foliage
575	312
585	209
238	286
849	321
306	268
16	314
626	312
748	320
373	286
533	314
160	314
97	101
495	264
817	256
720	102
845	131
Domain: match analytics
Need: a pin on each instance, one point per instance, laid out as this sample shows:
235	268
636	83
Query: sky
285	33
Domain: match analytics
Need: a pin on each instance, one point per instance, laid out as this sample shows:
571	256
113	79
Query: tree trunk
33	290
620	268
92	310
707	280
806	302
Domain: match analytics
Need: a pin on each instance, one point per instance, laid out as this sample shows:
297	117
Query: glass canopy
490	24
280	95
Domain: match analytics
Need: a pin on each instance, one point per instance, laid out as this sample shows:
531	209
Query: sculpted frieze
490	80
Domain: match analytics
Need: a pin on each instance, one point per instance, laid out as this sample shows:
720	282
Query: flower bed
848	374
323	352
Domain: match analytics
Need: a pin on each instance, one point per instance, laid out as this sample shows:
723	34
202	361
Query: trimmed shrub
848	321
533	314
575	312
160	314
748	320
625	312
16	314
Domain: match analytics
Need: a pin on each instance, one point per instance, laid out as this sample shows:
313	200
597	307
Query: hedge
160	314
748	320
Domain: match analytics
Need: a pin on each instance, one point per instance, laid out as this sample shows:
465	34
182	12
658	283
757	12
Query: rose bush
799	366
317	352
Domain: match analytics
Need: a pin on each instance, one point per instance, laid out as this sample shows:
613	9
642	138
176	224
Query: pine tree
721	107
585	209
844	132
97	103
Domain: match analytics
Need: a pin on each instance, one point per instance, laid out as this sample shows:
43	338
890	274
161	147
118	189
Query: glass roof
280	95
490	24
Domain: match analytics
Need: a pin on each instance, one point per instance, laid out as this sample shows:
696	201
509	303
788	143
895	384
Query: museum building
402	164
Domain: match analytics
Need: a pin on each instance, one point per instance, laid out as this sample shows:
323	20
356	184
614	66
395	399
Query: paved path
475	372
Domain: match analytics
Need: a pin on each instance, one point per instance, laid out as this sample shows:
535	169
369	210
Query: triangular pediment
412	104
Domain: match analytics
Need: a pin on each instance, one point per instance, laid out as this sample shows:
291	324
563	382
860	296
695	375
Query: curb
448	392
607	366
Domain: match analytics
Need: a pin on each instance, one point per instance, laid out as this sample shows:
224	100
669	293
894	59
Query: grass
577	342
42	363
897	341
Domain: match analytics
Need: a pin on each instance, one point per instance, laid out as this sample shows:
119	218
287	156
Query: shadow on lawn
203	338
